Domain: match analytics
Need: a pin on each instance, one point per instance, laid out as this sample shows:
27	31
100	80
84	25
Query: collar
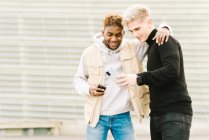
151	36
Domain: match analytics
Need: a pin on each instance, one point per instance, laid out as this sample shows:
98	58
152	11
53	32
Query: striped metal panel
41	42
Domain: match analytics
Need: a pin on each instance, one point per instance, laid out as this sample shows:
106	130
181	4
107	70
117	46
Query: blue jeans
120	126
170	126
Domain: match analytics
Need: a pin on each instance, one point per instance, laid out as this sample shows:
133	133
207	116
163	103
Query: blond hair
113	20
134	12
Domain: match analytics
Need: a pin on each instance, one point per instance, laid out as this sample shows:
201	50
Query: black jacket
165	77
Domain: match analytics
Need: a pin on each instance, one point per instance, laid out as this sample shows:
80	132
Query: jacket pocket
94	75
92	70
89	108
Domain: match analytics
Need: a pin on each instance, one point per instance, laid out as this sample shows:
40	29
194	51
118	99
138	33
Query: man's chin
114	47
141	40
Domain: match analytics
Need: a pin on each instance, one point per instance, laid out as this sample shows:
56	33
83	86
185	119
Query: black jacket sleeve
169	56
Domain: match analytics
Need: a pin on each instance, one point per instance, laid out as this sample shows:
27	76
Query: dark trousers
170	126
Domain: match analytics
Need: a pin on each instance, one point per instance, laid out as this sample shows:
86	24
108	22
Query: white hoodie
116	100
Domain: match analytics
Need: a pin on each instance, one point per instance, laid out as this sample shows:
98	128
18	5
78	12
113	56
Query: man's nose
135	34
114	38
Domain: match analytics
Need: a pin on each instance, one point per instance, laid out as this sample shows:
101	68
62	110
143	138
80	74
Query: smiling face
113	36
140	29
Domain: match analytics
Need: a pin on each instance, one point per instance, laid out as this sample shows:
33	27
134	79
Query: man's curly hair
113	20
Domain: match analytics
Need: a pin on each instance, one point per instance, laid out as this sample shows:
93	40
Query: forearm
157	77
170	69
80	79
81	86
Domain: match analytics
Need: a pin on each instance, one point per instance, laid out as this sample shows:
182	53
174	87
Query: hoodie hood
98	41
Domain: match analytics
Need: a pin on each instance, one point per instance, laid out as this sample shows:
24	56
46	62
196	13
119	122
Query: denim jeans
170	126
120	126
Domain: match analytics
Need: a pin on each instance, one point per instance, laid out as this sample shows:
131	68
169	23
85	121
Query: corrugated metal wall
41	42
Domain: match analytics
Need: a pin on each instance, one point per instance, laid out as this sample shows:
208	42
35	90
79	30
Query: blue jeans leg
120	126
100	131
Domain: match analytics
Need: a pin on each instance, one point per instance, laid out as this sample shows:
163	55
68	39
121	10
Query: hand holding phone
101	87
96	90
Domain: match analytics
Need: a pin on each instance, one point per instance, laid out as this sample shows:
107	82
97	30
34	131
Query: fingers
121	80
94	91
99	90
121	76
97	93
123	83
126	80
157	37
161	36
167	36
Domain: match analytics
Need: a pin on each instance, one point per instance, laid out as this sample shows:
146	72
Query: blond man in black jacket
171	110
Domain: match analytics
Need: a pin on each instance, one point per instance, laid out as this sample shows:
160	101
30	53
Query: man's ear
150	21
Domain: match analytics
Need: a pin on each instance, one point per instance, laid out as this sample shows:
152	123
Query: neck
151	29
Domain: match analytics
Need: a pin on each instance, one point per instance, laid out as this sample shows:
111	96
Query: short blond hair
113	20
134	12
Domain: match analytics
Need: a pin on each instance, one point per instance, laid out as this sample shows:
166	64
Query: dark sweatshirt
165	78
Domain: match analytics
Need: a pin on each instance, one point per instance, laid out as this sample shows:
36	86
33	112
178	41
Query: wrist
139	79
165	27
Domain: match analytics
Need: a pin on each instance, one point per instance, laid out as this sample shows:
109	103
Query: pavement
83	138
199	131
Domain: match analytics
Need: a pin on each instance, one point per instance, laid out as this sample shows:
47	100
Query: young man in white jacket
109	108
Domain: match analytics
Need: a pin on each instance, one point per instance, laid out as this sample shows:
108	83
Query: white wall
41	42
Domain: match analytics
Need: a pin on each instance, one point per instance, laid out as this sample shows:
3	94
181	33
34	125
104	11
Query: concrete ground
199	131
83	138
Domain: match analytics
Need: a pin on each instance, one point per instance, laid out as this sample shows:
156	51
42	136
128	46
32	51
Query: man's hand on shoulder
162	35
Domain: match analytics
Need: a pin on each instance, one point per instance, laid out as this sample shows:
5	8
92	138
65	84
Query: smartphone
101	86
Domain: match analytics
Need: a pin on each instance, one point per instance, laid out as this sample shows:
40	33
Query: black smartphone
101	86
